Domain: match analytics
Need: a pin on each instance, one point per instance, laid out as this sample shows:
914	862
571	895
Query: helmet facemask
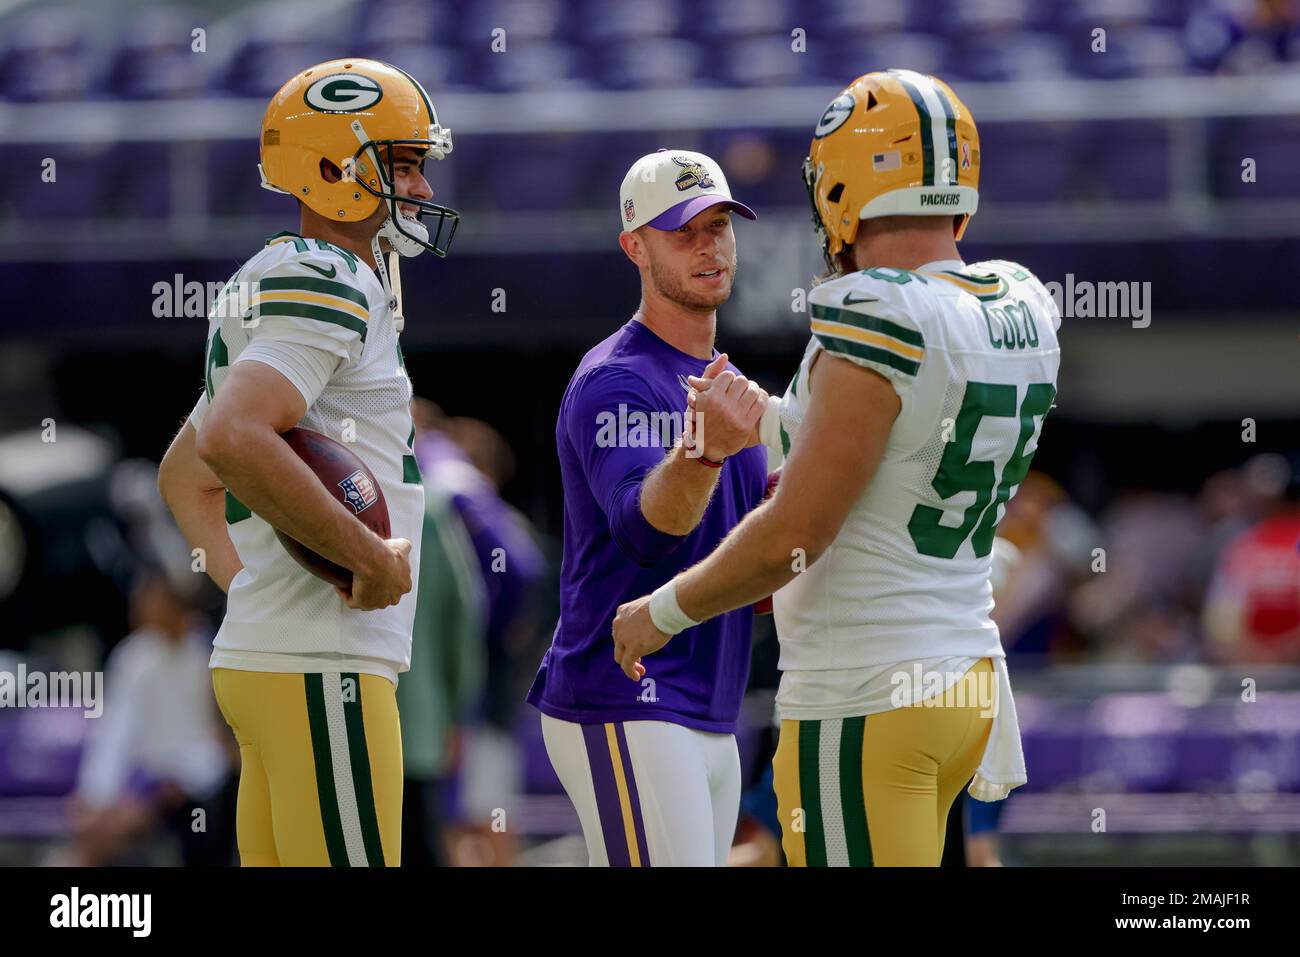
408	237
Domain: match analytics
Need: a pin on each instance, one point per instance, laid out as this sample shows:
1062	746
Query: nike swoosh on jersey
849	300
327	275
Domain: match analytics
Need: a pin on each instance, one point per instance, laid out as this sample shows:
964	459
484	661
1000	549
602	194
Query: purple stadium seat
136	177
435	67
1132	742
1272	142
888	51
605	20
723	19
77	190
766	61
1024	162
526	22
1137	171
261	67
841	17
532	66
650	63
1001	55
40	750
405	21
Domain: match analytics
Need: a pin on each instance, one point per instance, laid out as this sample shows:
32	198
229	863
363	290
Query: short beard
668	286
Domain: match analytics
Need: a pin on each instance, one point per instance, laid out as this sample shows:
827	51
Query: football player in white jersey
908	426
305	333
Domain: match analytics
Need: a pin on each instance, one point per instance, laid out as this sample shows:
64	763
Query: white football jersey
972	352
279	617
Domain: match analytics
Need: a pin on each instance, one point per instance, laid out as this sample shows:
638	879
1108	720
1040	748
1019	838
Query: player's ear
633	247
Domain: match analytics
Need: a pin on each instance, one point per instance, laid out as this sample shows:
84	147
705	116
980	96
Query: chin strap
390	277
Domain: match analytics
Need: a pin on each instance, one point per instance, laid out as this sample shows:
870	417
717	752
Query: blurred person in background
1141	600
1252	610
1053	540
159	759
468	462
446	676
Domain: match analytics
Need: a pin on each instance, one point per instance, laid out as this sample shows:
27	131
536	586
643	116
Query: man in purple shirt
652	767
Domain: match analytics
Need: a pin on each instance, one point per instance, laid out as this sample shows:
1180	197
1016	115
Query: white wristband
769	426
666	613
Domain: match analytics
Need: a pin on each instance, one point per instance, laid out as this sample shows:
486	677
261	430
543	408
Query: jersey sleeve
199	411
306	303
615	465
871	327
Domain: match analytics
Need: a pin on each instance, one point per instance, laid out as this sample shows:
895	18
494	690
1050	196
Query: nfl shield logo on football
359	491
629	211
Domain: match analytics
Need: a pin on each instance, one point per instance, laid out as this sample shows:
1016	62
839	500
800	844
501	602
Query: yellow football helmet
893	143
353	113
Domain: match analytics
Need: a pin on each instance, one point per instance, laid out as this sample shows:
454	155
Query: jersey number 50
958	474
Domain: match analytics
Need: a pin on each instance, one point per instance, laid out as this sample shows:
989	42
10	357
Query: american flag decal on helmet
359	491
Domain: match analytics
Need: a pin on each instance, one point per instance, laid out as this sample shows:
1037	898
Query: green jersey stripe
810	792
236	511
853	804
361	782
218	358
410	470
306	311
912	337
317	720
306	284
870	353
927	133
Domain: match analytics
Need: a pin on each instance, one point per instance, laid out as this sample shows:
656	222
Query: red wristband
709	462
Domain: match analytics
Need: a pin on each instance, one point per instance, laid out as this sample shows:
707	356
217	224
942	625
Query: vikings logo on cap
693	174
359	491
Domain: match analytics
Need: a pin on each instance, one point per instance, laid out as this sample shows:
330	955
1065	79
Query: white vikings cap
670	187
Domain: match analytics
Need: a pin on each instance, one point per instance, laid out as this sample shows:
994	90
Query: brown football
349	480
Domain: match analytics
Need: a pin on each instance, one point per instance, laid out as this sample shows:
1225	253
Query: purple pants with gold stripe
648	792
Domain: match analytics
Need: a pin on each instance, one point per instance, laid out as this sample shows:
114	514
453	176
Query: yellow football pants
321	779
876	790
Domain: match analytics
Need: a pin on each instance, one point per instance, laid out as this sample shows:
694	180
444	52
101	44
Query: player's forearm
260	470
197	501
675	494
760	556
201	516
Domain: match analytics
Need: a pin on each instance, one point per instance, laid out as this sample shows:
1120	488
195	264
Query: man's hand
635	635
724	409
383	583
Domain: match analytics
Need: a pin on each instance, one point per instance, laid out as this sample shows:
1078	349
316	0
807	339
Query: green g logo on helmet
343	93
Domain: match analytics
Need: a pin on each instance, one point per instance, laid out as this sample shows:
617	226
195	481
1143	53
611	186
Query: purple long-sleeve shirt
620	414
